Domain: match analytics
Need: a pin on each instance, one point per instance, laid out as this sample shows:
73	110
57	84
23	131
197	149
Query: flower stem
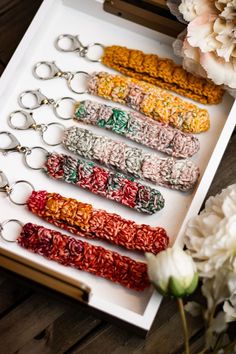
184	324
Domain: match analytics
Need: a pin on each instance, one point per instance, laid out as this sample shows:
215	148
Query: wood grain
15	17
71	327
27	320
11	295
226	173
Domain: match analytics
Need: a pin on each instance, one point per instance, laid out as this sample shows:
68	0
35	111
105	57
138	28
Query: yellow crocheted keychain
162	72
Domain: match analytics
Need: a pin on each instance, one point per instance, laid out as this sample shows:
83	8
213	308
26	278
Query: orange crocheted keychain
162	72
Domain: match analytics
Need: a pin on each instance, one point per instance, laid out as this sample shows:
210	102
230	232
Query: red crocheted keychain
72	252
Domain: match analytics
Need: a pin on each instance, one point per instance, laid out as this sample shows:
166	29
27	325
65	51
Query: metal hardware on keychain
41	100
54	71
30	123
4	223
8	188
15	146
77	47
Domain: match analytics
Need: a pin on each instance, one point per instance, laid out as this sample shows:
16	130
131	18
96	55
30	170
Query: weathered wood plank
27	320
62	334
159	341
15	17
11	294
226	173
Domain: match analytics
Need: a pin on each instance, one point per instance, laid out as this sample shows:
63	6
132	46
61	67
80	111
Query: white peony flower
211	236
193	8
172	272
211	34
224	203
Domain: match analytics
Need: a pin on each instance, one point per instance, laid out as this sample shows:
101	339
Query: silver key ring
8	189
75	45
30	123
54	72
57	104
41	99
29	152
3	224
93	45
15	146
47	126
72	77
12	190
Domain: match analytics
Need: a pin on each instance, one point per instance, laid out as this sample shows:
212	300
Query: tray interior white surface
57	17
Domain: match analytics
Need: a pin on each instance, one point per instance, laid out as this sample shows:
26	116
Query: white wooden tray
88	19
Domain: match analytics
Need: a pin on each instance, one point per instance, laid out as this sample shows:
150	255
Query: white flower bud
172	272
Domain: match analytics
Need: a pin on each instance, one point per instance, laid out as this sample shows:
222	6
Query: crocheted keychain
162	72
132	125
145	98
81	219
138	128
98	180
167	172
81	255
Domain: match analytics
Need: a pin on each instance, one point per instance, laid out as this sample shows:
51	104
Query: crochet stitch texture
81	219
72	252
137	127
167	172
103	182
150	100
162	72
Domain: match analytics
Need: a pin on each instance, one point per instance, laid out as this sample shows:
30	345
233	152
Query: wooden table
35	322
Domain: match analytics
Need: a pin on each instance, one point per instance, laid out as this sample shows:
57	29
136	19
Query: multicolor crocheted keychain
81	219
131	125
81	255
87	175
145	98
167	172
138	128
162	72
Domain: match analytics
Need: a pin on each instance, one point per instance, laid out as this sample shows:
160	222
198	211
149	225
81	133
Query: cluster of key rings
40	99
9	189
30	123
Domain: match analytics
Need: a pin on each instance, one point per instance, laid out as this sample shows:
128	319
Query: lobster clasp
39	99
52	70
14	144
28	120
4	183
73	43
